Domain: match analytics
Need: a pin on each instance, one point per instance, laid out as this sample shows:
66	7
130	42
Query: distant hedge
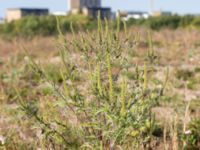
171	22
47	25
44	25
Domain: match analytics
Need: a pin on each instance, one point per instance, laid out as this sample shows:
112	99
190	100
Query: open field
99	79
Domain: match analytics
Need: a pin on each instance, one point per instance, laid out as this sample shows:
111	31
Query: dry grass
177	50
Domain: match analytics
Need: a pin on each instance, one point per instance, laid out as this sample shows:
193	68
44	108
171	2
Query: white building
58	13
126	15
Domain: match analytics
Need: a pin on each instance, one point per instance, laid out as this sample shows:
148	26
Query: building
58	13
94	12
18	13
1	20
89	8
161	13
126	15
79	4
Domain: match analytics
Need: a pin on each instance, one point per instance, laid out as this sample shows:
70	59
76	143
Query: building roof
137	12
99	8
46	9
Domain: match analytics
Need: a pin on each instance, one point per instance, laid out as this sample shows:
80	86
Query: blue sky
179	6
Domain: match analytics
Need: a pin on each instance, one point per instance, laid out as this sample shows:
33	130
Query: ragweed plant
103	108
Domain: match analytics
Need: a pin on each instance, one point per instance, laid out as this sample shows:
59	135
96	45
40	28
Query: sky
177	6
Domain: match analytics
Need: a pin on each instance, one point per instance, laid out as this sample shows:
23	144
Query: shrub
44	25
110	111
196	23
186	21
157	23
